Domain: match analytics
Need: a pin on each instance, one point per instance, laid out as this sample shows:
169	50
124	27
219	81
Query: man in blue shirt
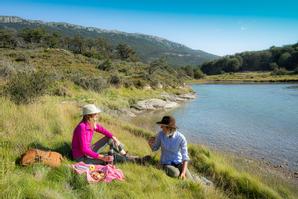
174	154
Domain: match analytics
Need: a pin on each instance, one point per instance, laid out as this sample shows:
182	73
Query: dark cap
168	121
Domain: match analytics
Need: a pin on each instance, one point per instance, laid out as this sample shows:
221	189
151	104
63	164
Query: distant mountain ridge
148	47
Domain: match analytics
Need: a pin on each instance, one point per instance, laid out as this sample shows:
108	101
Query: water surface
259	120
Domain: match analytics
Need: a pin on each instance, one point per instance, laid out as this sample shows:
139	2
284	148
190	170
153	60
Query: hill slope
276	59
147	47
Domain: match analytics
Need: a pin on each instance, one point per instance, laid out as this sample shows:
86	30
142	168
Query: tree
284	59
198	74
189	71
106	65
52	40
8	39
33	35
77	44
232	64
126	53
160	63
103	47
273	66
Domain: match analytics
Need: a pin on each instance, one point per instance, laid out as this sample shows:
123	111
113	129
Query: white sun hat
90	109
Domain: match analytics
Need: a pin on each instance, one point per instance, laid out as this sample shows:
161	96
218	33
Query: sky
215	26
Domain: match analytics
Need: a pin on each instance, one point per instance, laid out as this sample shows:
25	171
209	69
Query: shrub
91	83
7	69
128	83
295	70
61	91
279	71
21	58
198	74
154	83
24	87
106	65
139	83
115	80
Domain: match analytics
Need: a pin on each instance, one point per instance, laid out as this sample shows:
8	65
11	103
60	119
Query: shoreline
246	160
242	82
282	171
248	77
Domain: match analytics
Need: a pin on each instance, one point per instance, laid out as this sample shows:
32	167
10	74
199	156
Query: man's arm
154	142
185	158
184	168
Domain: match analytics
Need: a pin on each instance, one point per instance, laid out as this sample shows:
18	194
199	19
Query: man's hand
151	141
182	176
107	158
183	172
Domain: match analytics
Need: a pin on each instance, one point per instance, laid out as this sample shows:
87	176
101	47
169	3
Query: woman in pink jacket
82	150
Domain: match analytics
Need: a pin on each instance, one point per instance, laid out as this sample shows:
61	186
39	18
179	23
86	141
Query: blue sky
218	27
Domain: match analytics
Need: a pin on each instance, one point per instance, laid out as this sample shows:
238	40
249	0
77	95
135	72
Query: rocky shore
166	101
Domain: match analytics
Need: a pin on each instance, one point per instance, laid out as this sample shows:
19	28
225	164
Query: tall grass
49	122
227	178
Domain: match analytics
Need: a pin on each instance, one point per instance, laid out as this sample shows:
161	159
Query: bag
50	158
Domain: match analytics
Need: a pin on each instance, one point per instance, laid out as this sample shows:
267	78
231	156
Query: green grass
49	123
247	77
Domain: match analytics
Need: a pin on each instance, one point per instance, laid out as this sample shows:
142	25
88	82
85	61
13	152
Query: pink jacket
82	137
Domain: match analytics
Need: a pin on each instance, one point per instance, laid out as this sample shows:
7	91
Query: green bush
128	83
91	83
198	74
7	69
106	65
279	71
115	80
139	83
295	70
24	88
21	58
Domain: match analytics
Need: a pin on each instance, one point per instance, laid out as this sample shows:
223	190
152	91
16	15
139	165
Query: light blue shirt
173	149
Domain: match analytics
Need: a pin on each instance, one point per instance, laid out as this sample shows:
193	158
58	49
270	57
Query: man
174	154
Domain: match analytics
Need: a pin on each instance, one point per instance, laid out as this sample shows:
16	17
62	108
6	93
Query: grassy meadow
40	110
48	123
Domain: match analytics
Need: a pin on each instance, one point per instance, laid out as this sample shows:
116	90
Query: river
256	120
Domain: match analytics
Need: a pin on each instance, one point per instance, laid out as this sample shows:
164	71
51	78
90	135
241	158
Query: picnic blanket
98	173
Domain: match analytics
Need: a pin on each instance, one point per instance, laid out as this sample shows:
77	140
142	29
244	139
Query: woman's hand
116	141
107	158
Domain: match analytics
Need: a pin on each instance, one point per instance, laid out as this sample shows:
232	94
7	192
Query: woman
174	154
82	137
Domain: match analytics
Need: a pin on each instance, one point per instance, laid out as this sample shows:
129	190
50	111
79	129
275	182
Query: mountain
148	47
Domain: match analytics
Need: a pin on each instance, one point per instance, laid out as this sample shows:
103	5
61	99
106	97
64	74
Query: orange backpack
50	158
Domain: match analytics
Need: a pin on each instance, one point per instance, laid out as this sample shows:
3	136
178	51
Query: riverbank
254	163
243	162
246	77
48	123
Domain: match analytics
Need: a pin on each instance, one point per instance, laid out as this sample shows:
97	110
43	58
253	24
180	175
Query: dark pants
174	170
98	147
